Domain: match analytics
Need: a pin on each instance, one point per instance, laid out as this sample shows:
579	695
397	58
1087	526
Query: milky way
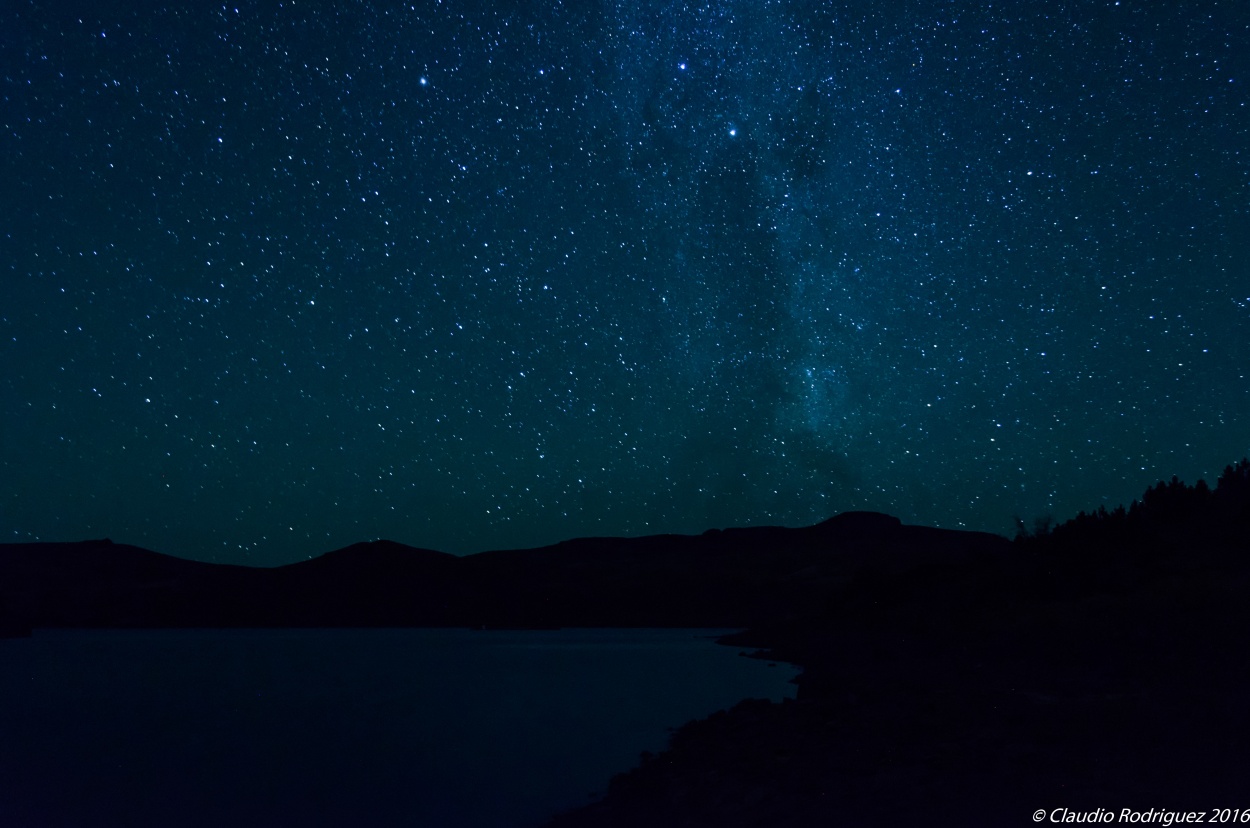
280	277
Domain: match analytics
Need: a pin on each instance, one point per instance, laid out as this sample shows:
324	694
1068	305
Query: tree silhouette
1169	516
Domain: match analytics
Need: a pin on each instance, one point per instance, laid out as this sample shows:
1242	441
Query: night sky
279	277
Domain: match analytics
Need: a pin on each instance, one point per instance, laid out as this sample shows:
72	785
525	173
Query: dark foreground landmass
948	677
1103	664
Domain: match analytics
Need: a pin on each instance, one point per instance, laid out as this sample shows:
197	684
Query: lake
345	727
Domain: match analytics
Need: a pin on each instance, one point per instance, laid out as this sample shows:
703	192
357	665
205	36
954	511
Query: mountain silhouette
722	578
949	677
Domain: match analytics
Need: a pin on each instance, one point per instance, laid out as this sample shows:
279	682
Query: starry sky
276	277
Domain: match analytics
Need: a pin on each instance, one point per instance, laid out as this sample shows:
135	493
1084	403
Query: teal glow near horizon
278	279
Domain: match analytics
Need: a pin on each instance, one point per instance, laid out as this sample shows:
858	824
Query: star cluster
277	277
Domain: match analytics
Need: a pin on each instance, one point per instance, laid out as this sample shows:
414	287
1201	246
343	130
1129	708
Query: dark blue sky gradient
279	277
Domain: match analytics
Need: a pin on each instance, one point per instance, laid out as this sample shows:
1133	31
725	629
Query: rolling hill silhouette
722	578
948	677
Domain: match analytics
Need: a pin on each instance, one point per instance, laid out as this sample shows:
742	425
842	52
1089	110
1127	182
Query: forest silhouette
1167	514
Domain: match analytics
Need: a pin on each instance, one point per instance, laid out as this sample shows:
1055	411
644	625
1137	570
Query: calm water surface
344	727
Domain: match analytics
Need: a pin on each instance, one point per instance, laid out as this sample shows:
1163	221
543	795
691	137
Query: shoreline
974	708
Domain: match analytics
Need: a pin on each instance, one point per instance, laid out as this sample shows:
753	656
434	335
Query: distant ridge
731	577
737	577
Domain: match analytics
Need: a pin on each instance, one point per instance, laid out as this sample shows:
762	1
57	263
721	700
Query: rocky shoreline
1081	674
